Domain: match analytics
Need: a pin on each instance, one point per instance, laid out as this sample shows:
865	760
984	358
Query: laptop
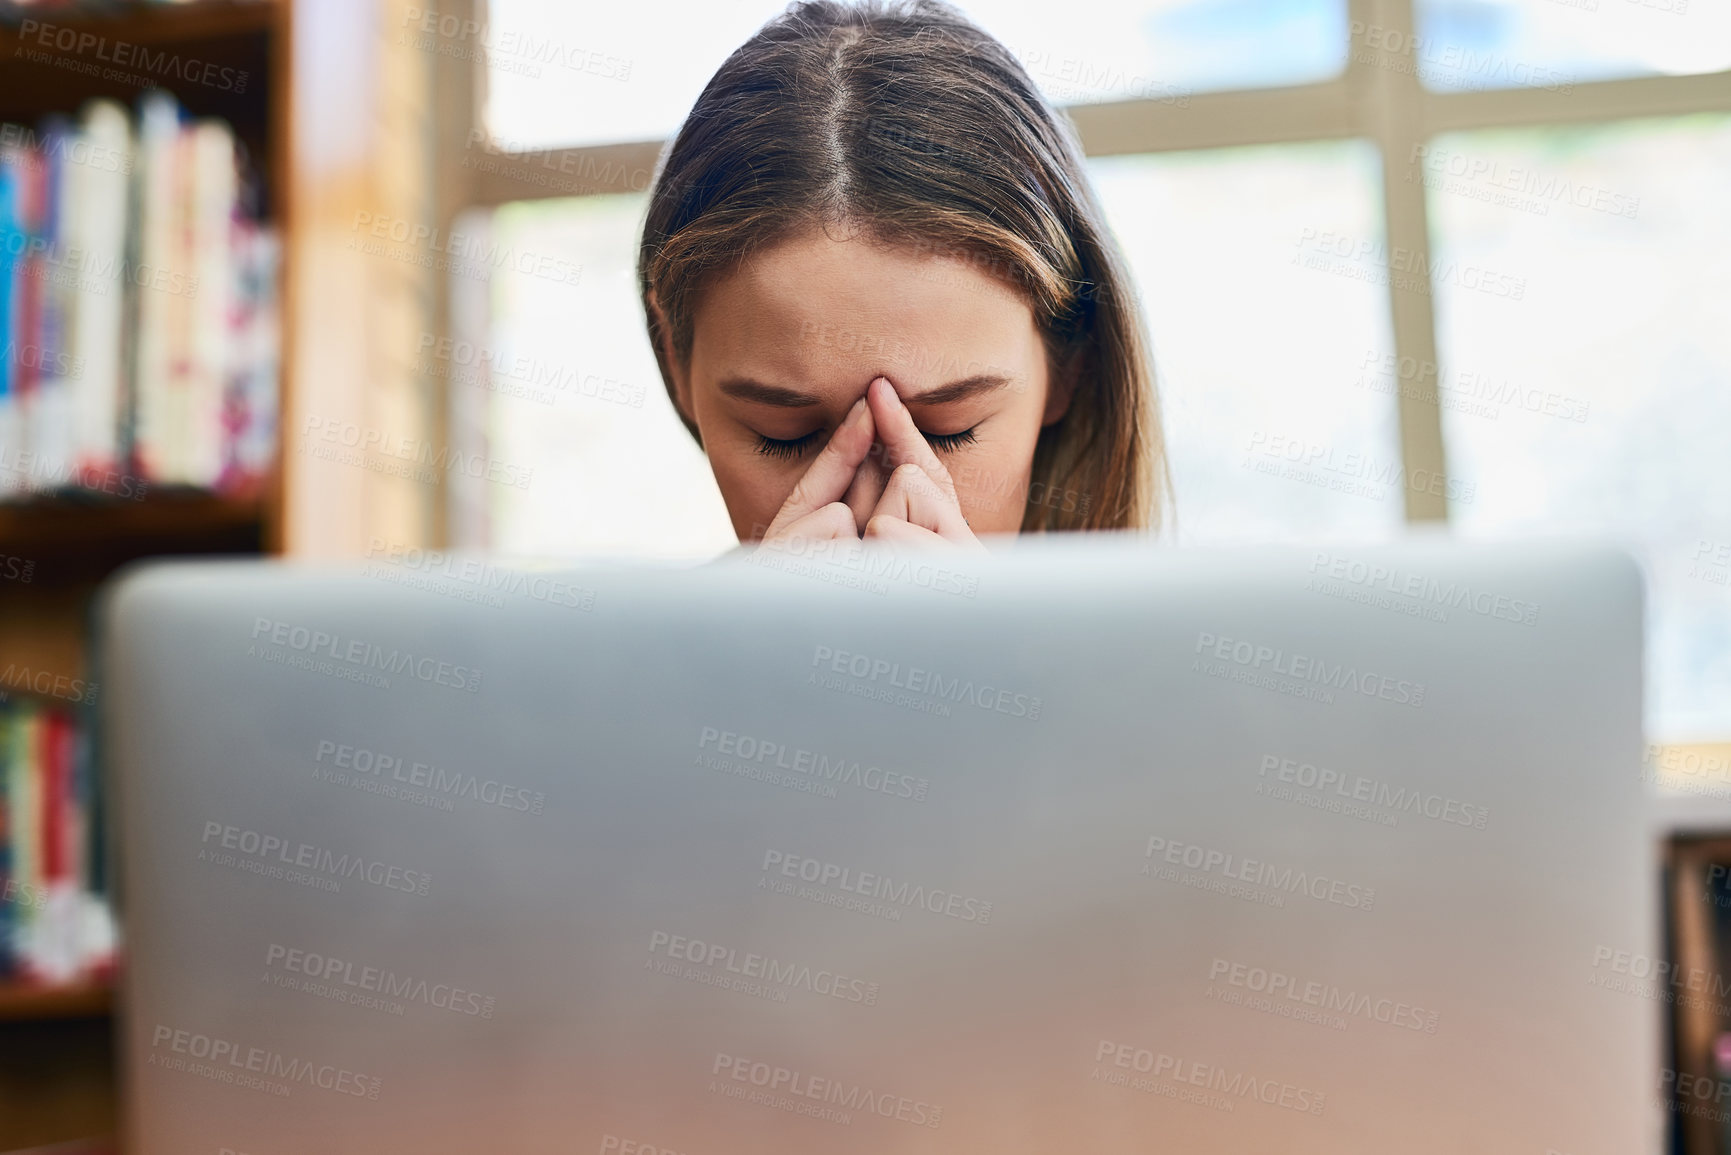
1086	845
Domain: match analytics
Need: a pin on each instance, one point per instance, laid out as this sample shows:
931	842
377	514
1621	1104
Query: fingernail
853	414
894	396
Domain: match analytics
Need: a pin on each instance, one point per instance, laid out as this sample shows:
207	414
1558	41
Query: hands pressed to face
876	479
780	350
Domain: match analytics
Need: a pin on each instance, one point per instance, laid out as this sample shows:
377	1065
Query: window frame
1375	98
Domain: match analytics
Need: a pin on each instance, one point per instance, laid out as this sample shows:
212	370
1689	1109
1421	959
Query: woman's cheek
980	494
749	490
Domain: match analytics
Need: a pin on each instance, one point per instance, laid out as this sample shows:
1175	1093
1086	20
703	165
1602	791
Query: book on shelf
55	925
138	306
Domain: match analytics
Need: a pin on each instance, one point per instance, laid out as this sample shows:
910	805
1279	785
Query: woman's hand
918	505
815	511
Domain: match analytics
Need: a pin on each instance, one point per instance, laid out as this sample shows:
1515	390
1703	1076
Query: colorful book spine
54	925
95	216
13	243
133	298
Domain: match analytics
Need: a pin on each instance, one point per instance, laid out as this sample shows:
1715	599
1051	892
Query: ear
1061	386
678	373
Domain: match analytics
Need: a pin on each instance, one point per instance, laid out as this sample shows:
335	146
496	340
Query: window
1260	440
1556	44
573	74
1599	401
1471	242
616	471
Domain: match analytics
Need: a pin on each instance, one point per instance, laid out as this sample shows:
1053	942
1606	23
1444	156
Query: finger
914	497
889	530
867	488
903	441
832	471
831	522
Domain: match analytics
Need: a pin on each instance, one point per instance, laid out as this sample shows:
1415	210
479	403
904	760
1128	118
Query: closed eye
950	442
787	450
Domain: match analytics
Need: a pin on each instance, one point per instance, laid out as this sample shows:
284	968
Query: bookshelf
1692	826
83	1001
57	1076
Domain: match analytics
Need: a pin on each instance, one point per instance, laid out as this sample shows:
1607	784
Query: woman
883	296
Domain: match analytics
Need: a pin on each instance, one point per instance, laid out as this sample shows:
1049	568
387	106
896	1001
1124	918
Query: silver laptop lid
1087	846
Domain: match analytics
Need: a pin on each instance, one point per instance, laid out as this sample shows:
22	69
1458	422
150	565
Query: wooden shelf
125	55
230	59
151	23
20	1002
89	536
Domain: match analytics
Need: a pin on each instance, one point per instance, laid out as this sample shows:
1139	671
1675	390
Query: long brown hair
904	118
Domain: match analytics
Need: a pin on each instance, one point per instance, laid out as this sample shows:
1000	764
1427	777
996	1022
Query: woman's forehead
817	304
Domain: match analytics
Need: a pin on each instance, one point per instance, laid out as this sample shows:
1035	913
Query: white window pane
561	74
1601	401
615	470
1165	49
1556	44
1273	430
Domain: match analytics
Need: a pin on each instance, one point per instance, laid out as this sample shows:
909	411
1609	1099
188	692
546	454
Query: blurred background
354	279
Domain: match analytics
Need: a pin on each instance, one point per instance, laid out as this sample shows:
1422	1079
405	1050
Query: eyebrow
748	390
